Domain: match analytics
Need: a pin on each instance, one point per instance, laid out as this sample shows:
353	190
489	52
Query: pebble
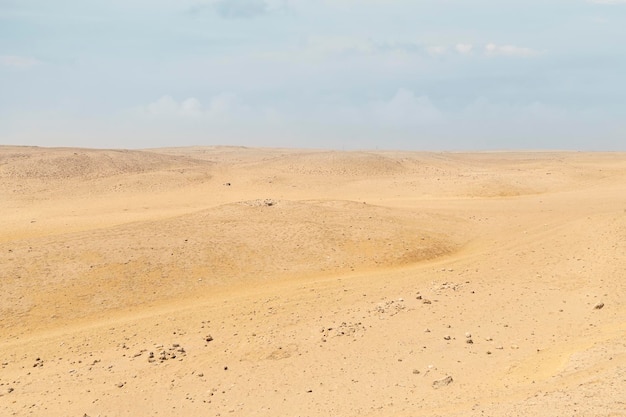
442	382
598	306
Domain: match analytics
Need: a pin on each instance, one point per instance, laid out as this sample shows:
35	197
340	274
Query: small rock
427	302
442	382
514	347
598	306
120	385
469	341
416	371
468	335
427	330
208	338
446	337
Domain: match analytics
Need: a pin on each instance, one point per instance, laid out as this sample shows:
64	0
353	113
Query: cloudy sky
342	74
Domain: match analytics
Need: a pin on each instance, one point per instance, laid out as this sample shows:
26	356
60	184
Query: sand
274	282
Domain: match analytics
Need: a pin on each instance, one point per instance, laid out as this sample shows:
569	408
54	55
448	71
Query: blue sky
343	74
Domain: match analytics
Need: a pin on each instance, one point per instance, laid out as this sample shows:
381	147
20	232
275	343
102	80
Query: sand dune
225	280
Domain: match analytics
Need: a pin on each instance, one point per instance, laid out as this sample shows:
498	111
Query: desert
217	281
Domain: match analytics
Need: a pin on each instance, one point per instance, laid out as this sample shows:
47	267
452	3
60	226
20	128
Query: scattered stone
468	335
427	302
350	329
442	382
38	363
208	338
120	385
469	341
598	306
446	337
416	371
176	351
391	307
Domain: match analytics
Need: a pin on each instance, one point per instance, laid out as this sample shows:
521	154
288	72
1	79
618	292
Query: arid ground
270	282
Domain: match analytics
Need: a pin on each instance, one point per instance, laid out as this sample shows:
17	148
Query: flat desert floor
272	282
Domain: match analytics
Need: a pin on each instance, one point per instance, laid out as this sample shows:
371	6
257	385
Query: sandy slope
330	283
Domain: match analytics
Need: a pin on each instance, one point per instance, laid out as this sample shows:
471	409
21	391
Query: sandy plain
271	282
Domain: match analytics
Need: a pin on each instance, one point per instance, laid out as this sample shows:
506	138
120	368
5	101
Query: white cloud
239	9
491	49
405	109
436	50
221	107
464	48
19	62
482	110
402	110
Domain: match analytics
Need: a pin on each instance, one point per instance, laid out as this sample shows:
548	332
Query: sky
341	74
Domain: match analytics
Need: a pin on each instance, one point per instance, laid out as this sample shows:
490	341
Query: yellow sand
330	283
